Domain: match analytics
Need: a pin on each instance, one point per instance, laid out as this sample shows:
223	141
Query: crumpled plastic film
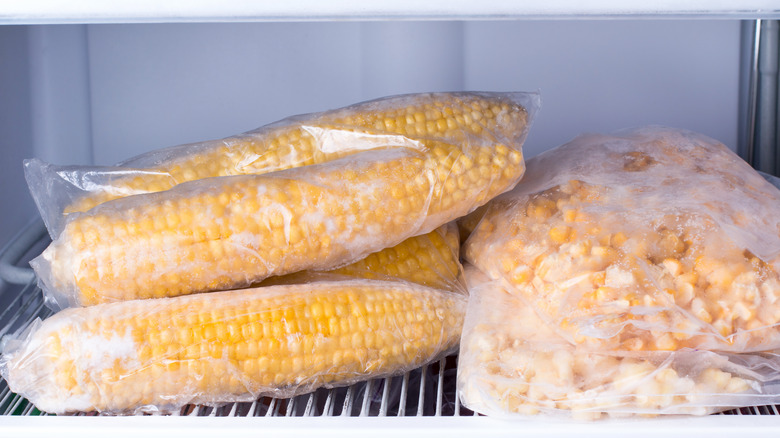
513	363
407	121
161	354
654	239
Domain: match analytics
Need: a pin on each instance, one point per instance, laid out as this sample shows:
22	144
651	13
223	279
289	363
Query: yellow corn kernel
698	309
673	266
719	379
105	369
521	275
560	234
603	252
618	239
665	342
737	385
603	293
633	344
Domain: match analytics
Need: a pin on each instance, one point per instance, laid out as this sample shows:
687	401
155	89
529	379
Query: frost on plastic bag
414	121
431	260
513	363
280	341
230	232
653	239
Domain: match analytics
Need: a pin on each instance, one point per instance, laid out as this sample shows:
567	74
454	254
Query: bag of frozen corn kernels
220	225
653	239
514	363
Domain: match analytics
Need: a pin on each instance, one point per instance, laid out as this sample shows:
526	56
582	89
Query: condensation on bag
653	239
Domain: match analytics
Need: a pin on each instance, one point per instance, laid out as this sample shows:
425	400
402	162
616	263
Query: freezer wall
103	93
154	86
15	130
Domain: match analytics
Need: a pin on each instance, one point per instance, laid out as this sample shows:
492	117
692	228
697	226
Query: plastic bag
159	355
431	260
654	239
514	363
232	231
408	121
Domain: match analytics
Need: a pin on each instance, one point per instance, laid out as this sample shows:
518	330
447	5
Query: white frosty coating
96	352
712	203
29	364
338	140
512	363
670	183
31	368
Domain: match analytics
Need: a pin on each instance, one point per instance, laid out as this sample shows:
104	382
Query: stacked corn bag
367	193
460	151
635	274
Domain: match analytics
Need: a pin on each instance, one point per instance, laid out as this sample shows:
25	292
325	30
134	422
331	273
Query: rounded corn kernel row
640	262
231	346
230	232
430	260
408	121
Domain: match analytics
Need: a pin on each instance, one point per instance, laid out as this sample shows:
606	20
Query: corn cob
430	259
231	346
230	232
643	249
406	121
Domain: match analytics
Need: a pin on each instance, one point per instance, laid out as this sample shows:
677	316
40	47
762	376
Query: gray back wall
103	93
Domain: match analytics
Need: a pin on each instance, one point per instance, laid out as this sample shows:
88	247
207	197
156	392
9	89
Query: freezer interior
97	94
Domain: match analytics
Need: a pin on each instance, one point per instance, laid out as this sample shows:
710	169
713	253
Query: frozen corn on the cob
431	259
230	232
402	121
512	362
653	240
230	346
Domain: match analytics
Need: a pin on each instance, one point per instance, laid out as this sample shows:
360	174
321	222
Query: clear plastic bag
159	355
412	121
653	239
431	260
513	363
230	232
227	232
